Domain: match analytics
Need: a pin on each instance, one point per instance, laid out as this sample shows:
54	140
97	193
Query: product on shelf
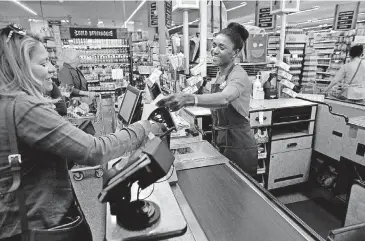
98	57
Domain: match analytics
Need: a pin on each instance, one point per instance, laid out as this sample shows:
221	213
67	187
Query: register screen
126	110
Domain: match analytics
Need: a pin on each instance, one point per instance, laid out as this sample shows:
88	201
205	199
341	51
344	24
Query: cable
358	174
172	172
153	189
138	192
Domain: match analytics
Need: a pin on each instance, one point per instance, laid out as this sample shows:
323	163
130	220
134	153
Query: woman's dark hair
356	51
236	33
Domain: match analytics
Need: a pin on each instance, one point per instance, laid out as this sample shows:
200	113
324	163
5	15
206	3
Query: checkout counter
336	138
218	202
212	199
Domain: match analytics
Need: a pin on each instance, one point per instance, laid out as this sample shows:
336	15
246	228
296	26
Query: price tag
285	74
287	83
290	92
283	65
153	77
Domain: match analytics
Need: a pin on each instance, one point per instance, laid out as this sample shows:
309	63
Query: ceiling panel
119	11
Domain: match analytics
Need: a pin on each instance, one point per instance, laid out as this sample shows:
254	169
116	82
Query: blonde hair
16	76
70	56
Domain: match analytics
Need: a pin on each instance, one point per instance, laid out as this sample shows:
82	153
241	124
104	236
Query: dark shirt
70	76
45	141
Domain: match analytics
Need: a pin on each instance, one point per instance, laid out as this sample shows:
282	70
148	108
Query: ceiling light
249	22
196	20
135	11
242	4
314	21
25	7
306	10
179	26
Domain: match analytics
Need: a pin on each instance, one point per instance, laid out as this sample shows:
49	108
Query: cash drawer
255	118
292	144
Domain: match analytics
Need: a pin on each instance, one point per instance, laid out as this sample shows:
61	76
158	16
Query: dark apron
233	136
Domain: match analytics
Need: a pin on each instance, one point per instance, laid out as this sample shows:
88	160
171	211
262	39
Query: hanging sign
264	19
54	22
284	6
153	14
168	13
186	4
94	33
153	17
346	16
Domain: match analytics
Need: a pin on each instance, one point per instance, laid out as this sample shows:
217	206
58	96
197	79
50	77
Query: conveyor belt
228	209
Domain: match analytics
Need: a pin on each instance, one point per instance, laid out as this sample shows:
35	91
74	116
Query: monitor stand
136	215
170	224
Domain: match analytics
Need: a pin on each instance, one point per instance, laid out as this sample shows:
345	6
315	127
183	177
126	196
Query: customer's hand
158	129
176	102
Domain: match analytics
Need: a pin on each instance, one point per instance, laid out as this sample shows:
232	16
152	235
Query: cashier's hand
177	101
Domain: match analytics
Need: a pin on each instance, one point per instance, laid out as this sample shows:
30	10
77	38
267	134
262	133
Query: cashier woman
229	100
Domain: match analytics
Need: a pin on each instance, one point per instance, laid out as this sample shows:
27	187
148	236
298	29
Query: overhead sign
153	14
264	19
54	22
284	6
168	13
186	4
93	33
346	16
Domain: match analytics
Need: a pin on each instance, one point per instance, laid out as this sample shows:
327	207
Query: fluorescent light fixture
314	21
25	7
179	26
242	4
306	10
249	22
135	11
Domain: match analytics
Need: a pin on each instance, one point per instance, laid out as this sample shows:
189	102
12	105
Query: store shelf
323	80
97	47
327	41
323	65
323	58
324	73
325	53
93	81
124	64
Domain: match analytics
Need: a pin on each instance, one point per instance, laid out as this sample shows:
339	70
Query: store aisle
87	191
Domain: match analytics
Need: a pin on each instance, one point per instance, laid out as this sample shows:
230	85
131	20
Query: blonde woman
45	141
72	76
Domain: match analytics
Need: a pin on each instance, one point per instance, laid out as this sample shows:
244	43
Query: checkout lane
221	203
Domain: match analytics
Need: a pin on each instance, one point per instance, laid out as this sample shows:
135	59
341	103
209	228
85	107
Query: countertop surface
360	104
358	122
257	105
